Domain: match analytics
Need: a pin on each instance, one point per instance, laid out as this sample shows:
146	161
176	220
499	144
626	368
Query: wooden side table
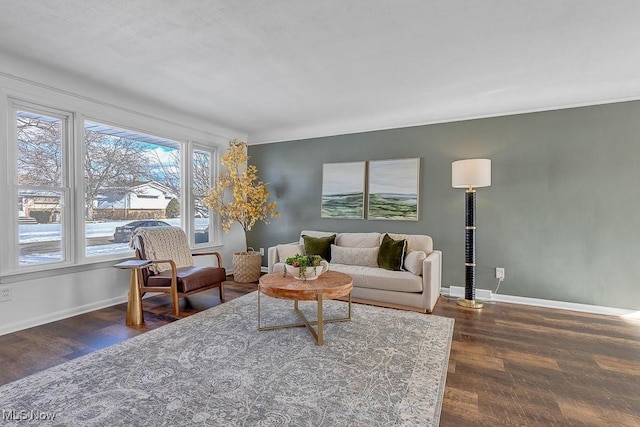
134	303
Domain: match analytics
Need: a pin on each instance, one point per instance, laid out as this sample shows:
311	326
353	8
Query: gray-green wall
562	214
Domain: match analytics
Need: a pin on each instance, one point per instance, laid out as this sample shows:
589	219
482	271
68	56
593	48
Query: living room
550	96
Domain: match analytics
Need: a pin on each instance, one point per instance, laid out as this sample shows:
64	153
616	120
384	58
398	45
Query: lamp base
470	303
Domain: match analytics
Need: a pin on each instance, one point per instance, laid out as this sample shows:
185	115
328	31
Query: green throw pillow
391	253
319	246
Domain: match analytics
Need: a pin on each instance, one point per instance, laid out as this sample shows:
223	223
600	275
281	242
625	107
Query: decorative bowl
309	273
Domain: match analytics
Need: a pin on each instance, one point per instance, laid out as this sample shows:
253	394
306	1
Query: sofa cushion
319	245
413	262
359	240
286	251
415	242
189	278
378	278
367	257
391	255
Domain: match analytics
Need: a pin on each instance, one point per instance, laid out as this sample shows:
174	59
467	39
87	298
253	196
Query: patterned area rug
385	367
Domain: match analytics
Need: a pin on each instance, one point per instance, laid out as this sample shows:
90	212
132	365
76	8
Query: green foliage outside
173	209
41	217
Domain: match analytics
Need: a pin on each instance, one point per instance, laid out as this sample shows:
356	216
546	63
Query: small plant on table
303	262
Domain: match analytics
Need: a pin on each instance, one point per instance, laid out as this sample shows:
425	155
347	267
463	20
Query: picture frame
393	189
343	190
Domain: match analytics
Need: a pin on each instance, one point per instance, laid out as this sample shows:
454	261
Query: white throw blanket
164	243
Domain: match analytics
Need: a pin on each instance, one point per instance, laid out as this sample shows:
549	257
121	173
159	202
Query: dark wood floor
510	364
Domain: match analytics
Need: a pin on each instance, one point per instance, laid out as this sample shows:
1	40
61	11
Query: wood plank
627	367
597	415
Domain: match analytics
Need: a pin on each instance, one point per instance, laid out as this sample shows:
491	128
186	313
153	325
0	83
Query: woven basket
246	266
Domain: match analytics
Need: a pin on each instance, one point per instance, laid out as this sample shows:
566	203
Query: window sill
57	271
21	276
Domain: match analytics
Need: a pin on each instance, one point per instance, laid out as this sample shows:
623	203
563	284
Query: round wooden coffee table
329	285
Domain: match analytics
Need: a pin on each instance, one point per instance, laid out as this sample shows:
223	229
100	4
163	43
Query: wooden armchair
172	270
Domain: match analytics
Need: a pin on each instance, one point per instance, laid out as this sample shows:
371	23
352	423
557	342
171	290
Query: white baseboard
481	294
263	269
59	315
453	291
487	295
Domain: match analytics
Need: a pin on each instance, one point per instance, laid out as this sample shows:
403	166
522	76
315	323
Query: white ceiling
288	69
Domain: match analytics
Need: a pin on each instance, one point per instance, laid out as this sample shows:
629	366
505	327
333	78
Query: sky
394	176
340	178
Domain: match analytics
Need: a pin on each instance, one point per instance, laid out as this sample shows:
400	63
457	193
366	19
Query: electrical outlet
500	273
5	293
262	251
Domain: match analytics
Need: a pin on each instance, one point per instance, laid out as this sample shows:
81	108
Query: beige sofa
417	289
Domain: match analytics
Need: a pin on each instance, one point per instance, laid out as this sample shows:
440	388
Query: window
201	184
78	189
129	177
40	183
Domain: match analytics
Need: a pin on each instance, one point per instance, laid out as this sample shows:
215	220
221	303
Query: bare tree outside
111	161
39	157
40	177
166	169
201	181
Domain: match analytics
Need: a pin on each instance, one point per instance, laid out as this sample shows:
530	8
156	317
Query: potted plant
305	267
247	205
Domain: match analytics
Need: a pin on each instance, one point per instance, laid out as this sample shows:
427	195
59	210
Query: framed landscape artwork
343	190
393	189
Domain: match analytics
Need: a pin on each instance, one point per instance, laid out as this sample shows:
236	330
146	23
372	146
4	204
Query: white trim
134	107
57	270
365	125
487	295
59	315
481	294
7	252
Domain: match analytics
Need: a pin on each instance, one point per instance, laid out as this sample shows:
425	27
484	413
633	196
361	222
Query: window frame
214	223
83	258
73	228
66	188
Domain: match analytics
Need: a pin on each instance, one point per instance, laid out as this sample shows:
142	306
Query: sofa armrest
272	258
216	254
431	279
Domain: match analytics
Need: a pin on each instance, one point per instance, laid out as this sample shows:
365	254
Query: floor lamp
468	174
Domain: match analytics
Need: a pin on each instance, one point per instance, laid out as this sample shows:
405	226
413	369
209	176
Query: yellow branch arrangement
248	204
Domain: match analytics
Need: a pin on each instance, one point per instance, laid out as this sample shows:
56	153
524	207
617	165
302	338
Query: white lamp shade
471	173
